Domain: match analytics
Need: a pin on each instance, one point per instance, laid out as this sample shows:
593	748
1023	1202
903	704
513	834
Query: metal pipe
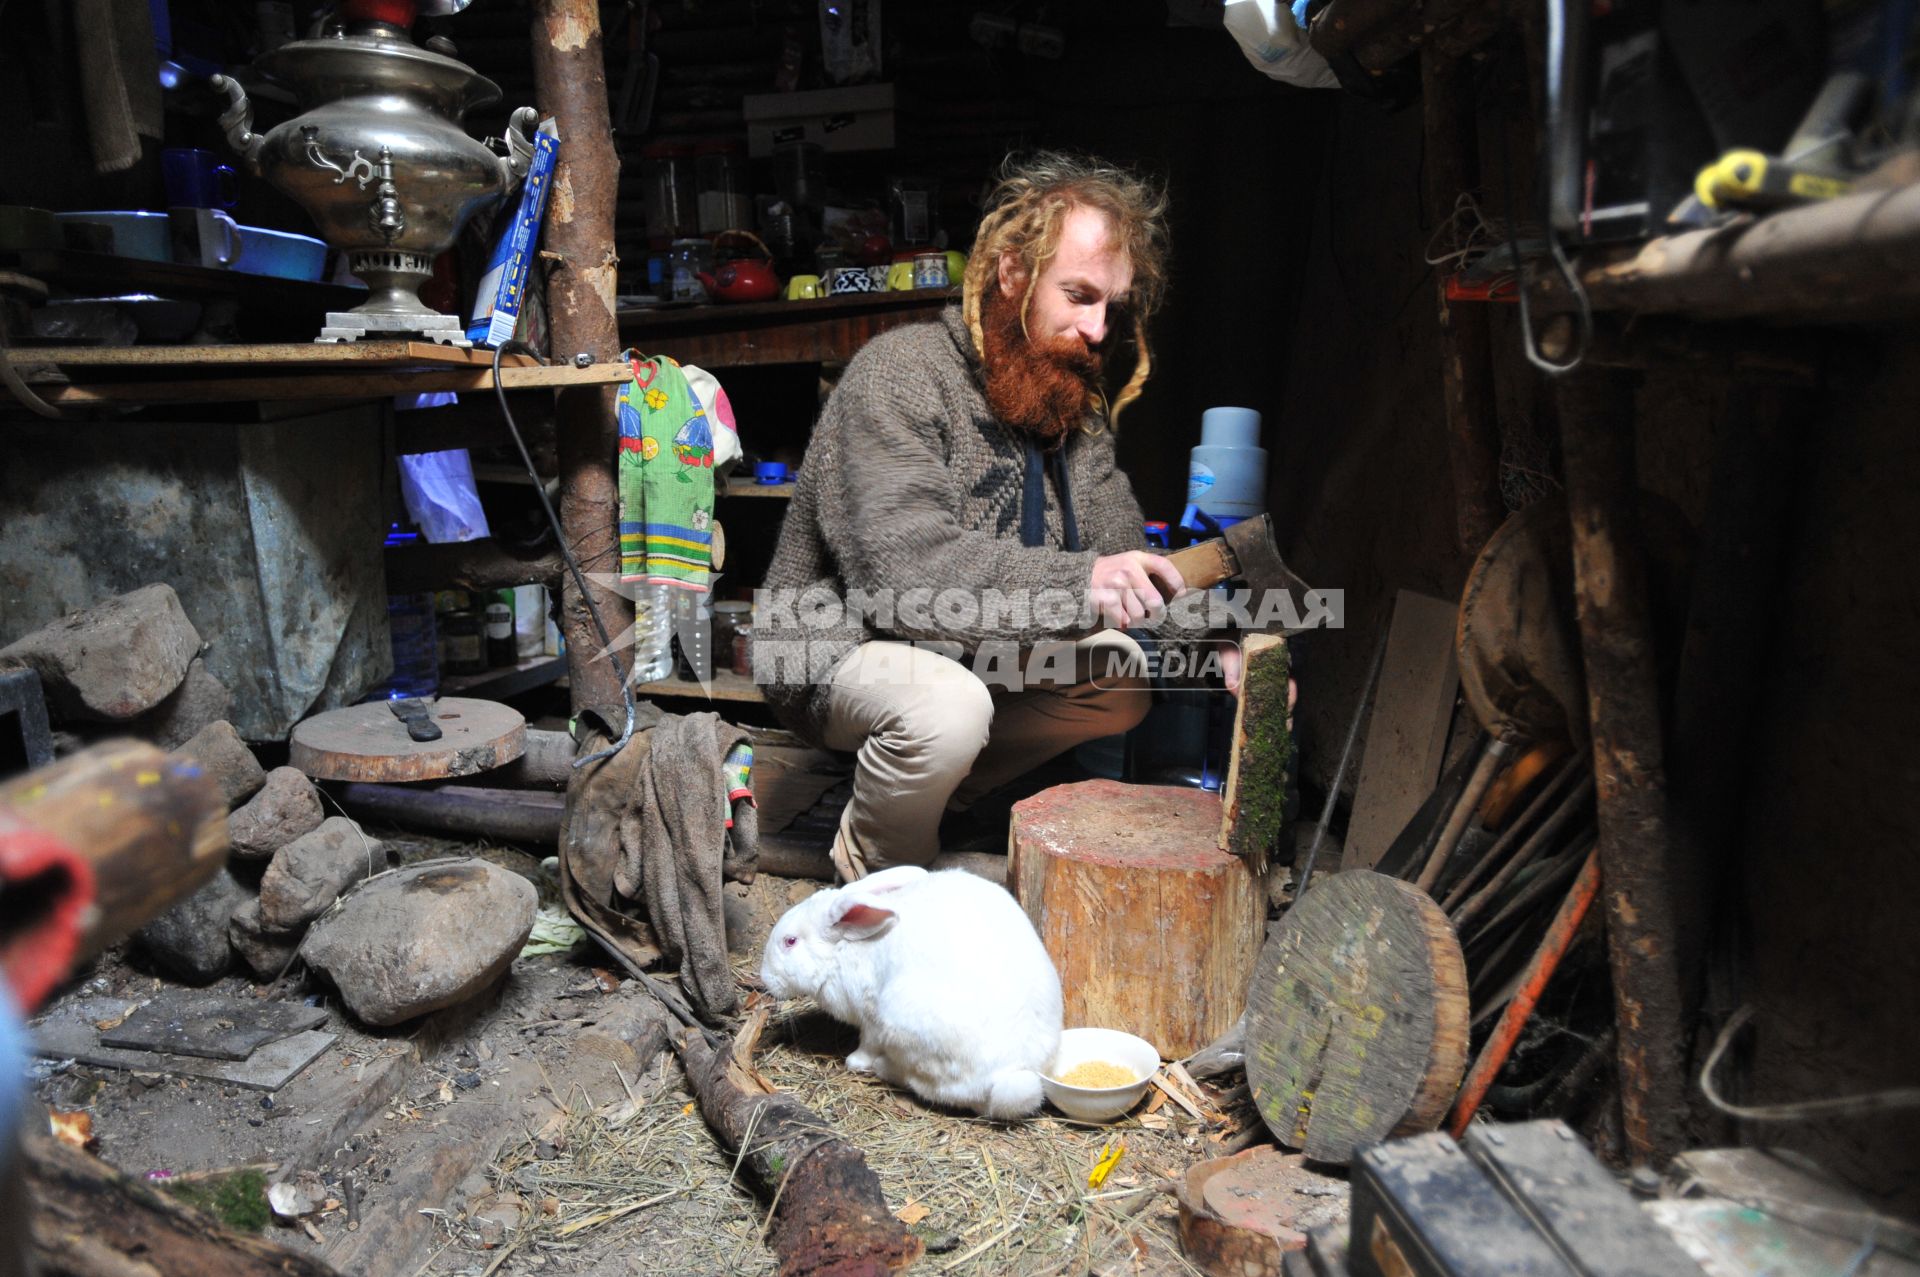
1484	771
1546	960
1346	756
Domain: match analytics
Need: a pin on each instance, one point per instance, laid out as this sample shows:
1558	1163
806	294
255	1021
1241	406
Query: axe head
1257	562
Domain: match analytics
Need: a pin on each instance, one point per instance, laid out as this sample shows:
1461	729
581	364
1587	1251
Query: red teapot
743	279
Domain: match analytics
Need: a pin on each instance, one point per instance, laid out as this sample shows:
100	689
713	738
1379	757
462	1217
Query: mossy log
89	1220
829	1216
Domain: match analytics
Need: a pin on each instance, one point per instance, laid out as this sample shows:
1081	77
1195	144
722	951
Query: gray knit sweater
910	483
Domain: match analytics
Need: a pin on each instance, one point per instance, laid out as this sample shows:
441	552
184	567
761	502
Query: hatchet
1246	551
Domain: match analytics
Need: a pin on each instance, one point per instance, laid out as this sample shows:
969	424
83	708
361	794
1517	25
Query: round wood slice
1153	928
366	742
1357	1019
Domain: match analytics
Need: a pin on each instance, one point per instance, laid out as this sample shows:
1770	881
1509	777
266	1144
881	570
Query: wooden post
571	84
1637	847
1466	367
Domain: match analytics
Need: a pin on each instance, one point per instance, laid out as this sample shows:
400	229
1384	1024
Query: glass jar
720	177
798	175
687	260
915	202
728	616
743	650
667	185
463	644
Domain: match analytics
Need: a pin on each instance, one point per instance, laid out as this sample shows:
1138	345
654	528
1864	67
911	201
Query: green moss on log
1265	756
239	1200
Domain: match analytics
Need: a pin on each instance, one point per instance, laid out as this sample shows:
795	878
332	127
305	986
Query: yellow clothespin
1109	1156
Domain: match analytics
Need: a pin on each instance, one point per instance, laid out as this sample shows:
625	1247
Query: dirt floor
499	1137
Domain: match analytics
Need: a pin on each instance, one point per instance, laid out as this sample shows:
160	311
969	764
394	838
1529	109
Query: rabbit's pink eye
791	941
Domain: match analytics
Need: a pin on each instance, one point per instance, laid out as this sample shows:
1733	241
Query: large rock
266	951
309	873
219	749
200	701
116	659
189	941
286	807
423	938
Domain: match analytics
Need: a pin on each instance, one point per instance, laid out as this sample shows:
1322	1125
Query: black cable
566	551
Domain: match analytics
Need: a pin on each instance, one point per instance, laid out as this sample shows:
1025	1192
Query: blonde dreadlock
1024	216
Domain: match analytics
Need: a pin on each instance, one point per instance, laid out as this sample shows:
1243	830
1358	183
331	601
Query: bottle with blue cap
1226	472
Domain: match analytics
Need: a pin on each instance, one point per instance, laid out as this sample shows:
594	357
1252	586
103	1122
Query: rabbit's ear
859	920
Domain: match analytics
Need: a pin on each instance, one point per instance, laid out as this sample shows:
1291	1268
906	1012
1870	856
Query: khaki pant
929	735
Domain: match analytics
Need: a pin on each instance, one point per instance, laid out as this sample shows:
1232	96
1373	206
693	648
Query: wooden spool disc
1153	928
366	742
1357	1019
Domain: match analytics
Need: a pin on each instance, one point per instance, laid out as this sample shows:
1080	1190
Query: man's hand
1122	586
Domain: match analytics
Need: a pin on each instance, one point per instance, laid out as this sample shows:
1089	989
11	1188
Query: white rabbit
953	994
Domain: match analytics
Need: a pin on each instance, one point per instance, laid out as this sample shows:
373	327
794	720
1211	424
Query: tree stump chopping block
1153	928
1357	1019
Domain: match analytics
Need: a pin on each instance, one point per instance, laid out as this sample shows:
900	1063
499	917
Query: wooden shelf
726	686
329	354
349	370
508	680
748	488
1848	260
824	330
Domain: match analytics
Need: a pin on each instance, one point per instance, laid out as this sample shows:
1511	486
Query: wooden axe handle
1204	564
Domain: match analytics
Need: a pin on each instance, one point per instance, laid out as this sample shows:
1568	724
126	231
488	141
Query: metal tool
1247	552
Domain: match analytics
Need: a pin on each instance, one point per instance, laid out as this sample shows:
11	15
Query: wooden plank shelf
507	680
214	374
822	330
345	354
726	686
1847	260
748	488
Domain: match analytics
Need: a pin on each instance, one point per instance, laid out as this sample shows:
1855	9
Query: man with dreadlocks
959	504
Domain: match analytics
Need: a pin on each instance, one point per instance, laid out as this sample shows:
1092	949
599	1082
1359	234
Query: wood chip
911	1214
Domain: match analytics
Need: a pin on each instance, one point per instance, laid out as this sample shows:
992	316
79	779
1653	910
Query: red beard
1042	385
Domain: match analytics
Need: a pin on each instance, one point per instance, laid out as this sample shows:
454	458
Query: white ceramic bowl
1098	1103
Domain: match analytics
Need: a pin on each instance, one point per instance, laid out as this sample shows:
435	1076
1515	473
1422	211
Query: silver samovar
381	162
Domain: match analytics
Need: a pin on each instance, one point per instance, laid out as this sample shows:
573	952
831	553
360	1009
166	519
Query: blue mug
770	473
197	179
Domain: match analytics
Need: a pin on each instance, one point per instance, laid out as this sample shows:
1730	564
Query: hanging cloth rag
120	79
689	826
666	480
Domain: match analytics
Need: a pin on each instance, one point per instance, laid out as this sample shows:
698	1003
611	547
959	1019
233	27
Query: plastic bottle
1227	471
652	635
416	656
414	638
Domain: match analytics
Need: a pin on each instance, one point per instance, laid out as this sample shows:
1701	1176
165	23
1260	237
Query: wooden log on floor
528	816
89	1220
1254	803
1637	847
1153	928
152	828
830	1219
1357	1021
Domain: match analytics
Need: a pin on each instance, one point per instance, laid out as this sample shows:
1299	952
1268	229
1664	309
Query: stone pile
405	943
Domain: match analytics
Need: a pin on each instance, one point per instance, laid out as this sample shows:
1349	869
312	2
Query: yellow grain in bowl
1096	1074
